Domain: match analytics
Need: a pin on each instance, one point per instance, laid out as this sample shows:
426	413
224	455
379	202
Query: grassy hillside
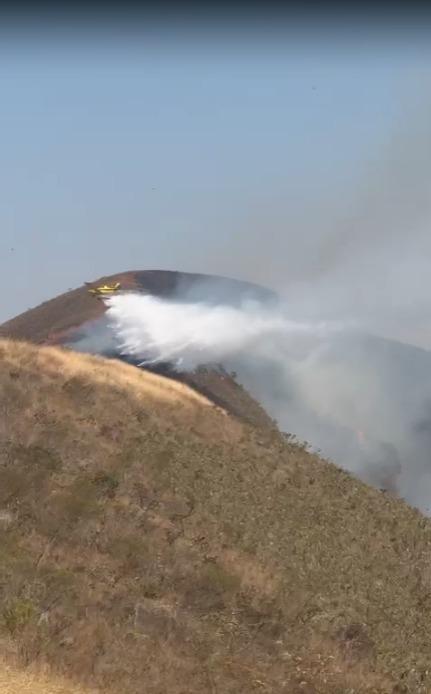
15	681
150	542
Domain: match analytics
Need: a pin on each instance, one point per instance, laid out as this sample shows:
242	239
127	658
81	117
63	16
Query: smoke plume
361	400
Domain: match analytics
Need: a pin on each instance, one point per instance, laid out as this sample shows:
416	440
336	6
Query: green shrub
131	550
17	614
217	577
106	483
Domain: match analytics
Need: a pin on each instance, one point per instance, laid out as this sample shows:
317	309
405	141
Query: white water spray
189	334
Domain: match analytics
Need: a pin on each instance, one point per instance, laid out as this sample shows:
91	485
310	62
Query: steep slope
63	319
152	542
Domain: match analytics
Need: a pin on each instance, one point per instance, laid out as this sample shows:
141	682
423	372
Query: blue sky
215	155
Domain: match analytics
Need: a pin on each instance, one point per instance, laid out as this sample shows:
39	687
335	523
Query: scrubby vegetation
149	542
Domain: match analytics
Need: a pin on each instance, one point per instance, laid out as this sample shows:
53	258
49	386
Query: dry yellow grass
150	543
14	681
144	385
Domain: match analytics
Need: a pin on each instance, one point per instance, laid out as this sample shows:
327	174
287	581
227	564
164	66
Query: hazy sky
245	155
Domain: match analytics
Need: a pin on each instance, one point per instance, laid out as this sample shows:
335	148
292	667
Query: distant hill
151	542
55	321
62	320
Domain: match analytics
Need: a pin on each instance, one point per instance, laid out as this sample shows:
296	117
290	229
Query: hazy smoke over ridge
361	249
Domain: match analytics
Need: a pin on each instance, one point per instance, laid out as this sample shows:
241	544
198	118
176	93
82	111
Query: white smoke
361	400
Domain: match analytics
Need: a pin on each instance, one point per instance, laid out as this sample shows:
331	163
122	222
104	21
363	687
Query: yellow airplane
105	289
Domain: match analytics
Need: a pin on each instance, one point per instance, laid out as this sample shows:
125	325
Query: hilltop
63	319
57	320
150	539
